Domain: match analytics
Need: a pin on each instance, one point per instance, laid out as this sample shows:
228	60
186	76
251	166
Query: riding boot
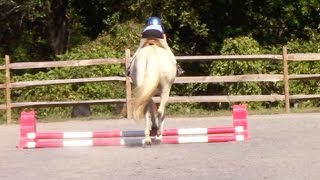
180	71
128	72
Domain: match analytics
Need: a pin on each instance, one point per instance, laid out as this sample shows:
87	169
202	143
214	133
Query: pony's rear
153	71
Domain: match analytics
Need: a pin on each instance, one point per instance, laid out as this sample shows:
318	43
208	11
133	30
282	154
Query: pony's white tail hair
148	88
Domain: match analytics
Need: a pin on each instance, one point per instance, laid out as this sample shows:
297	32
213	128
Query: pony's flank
150	82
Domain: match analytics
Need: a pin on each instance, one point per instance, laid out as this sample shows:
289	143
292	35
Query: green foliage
22	30
310	45
101	48
313	67
109	44
123	36
2	81
84	91
242	46
297	17
193	27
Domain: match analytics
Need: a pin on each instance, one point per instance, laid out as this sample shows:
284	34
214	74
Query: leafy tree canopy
42	29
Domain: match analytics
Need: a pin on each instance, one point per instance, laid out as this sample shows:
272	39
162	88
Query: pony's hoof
147	142
159	137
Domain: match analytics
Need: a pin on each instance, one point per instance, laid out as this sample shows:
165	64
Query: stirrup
180	71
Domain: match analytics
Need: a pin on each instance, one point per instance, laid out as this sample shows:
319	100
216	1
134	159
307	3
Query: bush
313	67
245	45
107	45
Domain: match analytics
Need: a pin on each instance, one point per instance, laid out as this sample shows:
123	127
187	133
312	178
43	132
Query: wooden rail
285	77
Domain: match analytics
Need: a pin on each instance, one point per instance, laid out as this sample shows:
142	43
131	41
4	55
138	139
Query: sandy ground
285	146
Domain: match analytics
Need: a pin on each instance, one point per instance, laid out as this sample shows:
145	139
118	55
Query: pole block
27	125
240	113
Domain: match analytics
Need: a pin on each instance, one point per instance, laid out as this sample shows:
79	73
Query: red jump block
240	120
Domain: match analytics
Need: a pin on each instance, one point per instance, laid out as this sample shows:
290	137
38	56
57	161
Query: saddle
152	41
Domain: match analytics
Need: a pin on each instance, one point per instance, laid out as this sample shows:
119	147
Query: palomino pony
153	72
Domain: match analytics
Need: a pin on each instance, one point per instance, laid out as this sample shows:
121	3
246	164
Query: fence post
128	85
286	78
8	90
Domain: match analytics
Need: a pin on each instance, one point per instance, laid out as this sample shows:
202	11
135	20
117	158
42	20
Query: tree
44	28
57	24
23	30
281	21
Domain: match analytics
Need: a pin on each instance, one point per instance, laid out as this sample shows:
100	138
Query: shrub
245	45
107	45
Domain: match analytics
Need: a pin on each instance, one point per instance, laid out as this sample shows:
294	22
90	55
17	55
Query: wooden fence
285	77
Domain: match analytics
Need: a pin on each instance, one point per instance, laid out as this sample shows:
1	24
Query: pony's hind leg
152	108
149	117
163	101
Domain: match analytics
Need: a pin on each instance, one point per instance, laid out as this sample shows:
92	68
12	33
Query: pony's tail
146	91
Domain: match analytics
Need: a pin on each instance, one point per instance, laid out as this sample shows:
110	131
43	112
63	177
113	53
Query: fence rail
285	77
54	64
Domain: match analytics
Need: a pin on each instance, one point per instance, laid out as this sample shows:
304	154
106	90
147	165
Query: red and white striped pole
139	133
30	138
138	141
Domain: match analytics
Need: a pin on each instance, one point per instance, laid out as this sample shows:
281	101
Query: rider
152	34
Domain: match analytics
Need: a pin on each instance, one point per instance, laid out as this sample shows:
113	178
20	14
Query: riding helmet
153	21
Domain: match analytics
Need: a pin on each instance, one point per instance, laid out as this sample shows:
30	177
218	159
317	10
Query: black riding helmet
153	33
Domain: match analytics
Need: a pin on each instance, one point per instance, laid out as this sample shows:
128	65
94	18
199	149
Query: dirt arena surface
283	147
